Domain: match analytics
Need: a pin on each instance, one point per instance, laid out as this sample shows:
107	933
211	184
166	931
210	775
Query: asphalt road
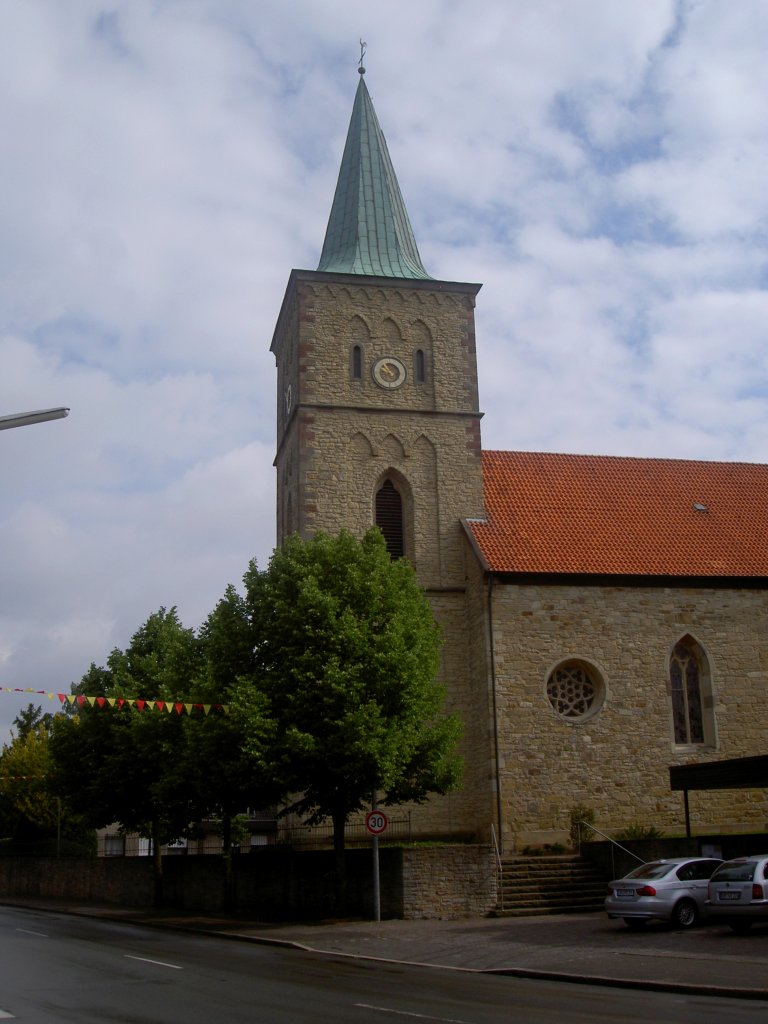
58	968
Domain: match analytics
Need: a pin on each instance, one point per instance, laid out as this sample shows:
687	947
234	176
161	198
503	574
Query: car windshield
656	869
735	872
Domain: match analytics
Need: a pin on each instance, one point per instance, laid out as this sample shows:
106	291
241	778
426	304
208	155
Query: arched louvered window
691	710
357	362
389	518
419	366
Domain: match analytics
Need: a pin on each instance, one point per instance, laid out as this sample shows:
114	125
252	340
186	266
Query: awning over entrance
736	773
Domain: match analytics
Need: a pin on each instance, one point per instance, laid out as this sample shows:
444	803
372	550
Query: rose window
572	692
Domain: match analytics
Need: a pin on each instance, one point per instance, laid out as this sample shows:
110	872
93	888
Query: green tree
347	650
123	765
29	718
228	753
31	809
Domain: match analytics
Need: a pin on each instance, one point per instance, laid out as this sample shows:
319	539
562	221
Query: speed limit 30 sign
376	822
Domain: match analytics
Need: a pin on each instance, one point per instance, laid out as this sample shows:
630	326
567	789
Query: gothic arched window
419	366
357	362
692	712
289	525
389	518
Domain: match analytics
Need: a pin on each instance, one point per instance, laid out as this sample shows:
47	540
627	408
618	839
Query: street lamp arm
24	419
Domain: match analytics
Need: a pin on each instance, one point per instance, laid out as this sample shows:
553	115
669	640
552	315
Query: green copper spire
368	230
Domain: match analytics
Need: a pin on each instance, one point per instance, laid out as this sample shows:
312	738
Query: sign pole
376	881
376	877
376	822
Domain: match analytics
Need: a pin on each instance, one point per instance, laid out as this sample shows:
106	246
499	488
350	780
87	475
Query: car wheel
635	923
685	914
740	927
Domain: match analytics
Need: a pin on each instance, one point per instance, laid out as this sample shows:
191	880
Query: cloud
598	166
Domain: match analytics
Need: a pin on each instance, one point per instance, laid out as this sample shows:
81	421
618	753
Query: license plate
625	894
729	895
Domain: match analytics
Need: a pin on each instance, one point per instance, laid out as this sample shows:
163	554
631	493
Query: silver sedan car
738	892
673	890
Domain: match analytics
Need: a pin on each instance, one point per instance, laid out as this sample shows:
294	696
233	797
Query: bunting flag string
139	704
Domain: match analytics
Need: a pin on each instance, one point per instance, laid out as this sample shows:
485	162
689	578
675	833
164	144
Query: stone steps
552	884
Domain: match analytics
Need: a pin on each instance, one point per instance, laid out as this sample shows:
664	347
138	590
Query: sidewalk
578	948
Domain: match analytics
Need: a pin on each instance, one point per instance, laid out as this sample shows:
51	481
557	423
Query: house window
575	690
357	362
114	846
389	518
685	672
419	366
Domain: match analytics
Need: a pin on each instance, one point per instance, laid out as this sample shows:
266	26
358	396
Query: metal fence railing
280	832
355	834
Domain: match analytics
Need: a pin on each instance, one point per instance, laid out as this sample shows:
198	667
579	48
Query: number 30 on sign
376	822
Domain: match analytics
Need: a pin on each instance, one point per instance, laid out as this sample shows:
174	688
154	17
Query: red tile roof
597	514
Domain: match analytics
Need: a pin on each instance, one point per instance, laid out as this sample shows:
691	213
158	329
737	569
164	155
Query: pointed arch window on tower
389	518
692	704
357	362
419	366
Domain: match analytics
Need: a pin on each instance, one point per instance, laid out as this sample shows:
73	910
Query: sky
599	166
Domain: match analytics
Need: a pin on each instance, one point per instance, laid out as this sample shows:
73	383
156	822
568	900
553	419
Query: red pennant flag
141	704
160	705
101	701
178	708
81	700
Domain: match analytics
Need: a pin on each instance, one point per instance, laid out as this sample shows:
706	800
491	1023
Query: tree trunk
339	819
157	864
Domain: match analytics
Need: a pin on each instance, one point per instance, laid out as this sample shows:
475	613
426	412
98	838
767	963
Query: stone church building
603	618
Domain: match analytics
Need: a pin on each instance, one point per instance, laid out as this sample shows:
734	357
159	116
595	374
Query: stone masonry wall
270	885
616	762
339	437
449	882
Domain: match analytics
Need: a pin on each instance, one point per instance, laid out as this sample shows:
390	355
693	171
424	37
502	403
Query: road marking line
406	1013
6	1016
158	963
26	931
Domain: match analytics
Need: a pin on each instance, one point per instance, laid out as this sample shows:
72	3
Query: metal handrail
500	869
611	841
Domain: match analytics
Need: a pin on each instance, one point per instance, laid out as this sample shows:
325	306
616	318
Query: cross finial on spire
363	48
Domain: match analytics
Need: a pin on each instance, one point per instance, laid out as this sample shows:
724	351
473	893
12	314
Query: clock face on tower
389	372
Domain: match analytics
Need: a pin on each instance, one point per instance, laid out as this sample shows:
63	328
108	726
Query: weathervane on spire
360	68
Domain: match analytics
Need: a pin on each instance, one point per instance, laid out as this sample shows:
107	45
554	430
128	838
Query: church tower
377	416
378	420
